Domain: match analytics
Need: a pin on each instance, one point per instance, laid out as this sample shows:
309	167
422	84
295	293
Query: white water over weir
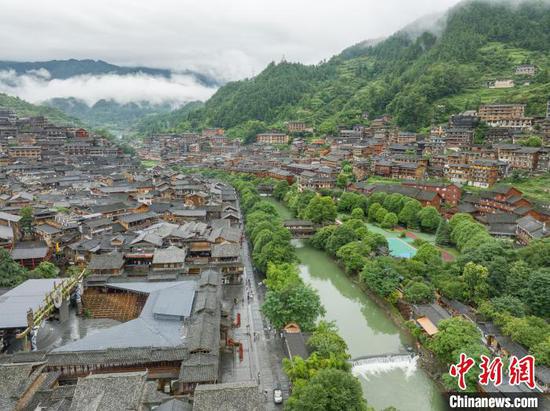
384	363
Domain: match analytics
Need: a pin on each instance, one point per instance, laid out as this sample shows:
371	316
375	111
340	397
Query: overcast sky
230	39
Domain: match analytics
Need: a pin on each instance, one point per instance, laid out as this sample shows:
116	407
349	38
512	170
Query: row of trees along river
368	332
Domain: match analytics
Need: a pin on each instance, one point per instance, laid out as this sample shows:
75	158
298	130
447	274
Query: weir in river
368	332
367	366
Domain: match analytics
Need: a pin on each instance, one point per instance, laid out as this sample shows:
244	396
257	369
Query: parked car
277	396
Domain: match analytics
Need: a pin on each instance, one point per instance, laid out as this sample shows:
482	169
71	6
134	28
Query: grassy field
149	163
535	188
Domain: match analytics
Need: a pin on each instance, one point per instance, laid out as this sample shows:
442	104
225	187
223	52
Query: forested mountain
25	109
418	78
168	121
108	114
64	69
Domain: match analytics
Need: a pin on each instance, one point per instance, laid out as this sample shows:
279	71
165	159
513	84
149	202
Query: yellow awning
427	325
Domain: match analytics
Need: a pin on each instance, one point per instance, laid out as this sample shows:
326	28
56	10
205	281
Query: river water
368	331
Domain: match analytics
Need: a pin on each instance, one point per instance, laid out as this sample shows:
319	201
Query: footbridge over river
300	228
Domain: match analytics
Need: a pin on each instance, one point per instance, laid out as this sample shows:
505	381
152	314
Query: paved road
263	348
267	349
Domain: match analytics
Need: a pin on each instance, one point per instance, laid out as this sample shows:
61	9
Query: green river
368	331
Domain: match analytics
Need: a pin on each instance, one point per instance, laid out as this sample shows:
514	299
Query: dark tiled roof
117	356
109	392
199	367
110	261
226	250
174	405
132	218
27	250
238	396
434	312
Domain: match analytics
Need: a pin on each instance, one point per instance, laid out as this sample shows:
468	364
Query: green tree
276	251
532	141
380	276
518	276
293	303
409	214
262	238
279	276
321	236
343	179
381	215
357	213
508	304
453	288
454	334
329	390
248	130
320	210
373	210
541	352
45	270
342	235
390	220
537	253
353	255
475	277
375	241
458	218
11	273
325	340
394	202
429	219
443	233
280	189
528	331
376	197
265	207
537	295
26	221
428	254
348	201
418	292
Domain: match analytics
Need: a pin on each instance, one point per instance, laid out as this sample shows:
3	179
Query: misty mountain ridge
103	94
110	114
65	69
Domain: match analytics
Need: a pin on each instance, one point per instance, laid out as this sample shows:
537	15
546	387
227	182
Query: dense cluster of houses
448	151
503	208
35	139
162	254
172	147
433	167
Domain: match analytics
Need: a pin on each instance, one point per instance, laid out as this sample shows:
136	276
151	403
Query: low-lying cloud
231	39
36	86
